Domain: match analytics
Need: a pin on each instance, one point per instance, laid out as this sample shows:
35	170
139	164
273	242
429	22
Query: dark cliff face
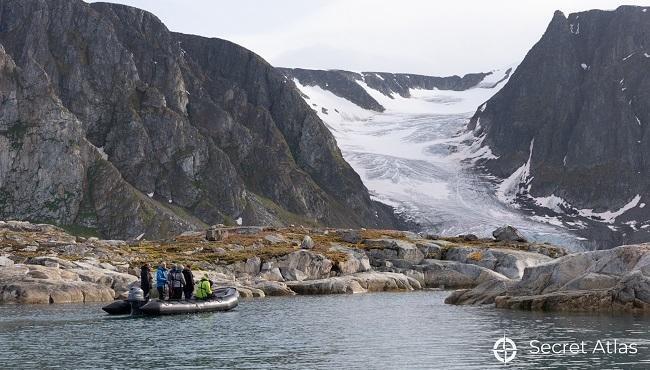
579	107
344	83
155	131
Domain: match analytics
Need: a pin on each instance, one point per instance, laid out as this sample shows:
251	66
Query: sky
411	36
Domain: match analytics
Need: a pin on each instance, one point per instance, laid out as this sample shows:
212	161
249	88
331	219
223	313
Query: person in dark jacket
145	279
189	282
161	280
176	282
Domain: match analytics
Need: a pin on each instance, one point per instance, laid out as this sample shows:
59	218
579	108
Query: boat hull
224	299
118	308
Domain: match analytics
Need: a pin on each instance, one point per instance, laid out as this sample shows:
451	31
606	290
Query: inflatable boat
223	299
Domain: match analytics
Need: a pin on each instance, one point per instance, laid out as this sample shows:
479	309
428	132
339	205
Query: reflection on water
388	330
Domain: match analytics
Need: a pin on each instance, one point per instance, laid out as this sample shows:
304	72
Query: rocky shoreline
41	263
610	281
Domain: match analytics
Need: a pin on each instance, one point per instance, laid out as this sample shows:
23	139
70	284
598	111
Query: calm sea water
370	331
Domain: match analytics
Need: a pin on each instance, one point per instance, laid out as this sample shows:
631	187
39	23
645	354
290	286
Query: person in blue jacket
161	280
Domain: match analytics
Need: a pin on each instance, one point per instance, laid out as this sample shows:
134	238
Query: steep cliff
112	122
569	130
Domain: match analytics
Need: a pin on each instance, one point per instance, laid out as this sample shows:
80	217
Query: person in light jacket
176	282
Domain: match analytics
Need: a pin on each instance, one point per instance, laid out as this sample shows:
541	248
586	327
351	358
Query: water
370	331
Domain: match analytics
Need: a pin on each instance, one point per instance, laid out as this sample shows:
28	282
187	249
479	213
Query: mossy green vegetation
79	230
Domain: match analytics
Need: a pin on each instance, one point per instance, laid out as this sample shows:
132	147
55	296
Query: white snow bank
610	216
518	183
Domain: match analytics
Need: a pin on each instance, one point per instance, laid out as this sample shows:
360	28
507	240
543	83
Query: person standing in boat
161	280
176	282
189	282
204	289
145	280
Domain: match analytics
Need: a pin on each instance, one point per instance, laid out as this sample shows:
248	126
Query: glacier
417	156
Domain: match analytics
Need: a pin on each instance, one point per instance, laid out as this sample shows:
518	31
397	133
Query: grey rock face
510	263
112	122
392	249
612	280
577	106
304	265
349	235
452	274
356	283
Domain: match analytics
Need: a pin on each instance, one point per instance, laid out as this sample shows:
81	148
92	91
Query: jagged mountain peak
580	95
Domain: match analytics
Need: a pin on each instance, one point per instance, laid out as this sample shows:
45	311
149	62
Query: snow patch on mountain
518	183
610	216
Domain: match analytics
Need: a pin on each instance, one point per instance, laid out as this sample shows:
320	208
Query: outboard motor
136	300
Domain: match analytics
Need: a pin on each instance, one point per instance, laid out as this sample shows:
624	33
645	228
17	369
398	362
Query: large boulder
271	274
484	293
274	288
307	242
455	275
429	249
216	234
251	266
117	281
6	261
304	265
356	283
29	284
508	234
508	262
391	249
356	261
351	236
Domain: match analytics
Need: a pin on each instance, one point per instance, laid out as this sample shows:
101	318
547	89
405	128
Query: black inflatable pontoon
223	299
122	307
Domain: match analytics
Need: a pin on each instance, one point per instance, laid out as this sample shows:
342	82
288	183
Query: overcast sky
415	36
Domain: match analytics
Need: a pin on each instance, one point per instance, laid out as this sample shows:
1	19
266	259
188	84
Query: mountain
570	130
345	84
111	122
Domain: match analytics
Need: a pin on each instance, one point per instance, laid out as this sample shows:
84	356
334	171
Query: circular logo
504	350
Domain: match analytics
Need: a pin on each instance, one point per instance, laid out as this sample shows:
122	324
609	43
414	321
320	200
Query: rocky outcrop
346	85
510	263
568	131
131	129
34	284
356	283
257	261
451	274
615	280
